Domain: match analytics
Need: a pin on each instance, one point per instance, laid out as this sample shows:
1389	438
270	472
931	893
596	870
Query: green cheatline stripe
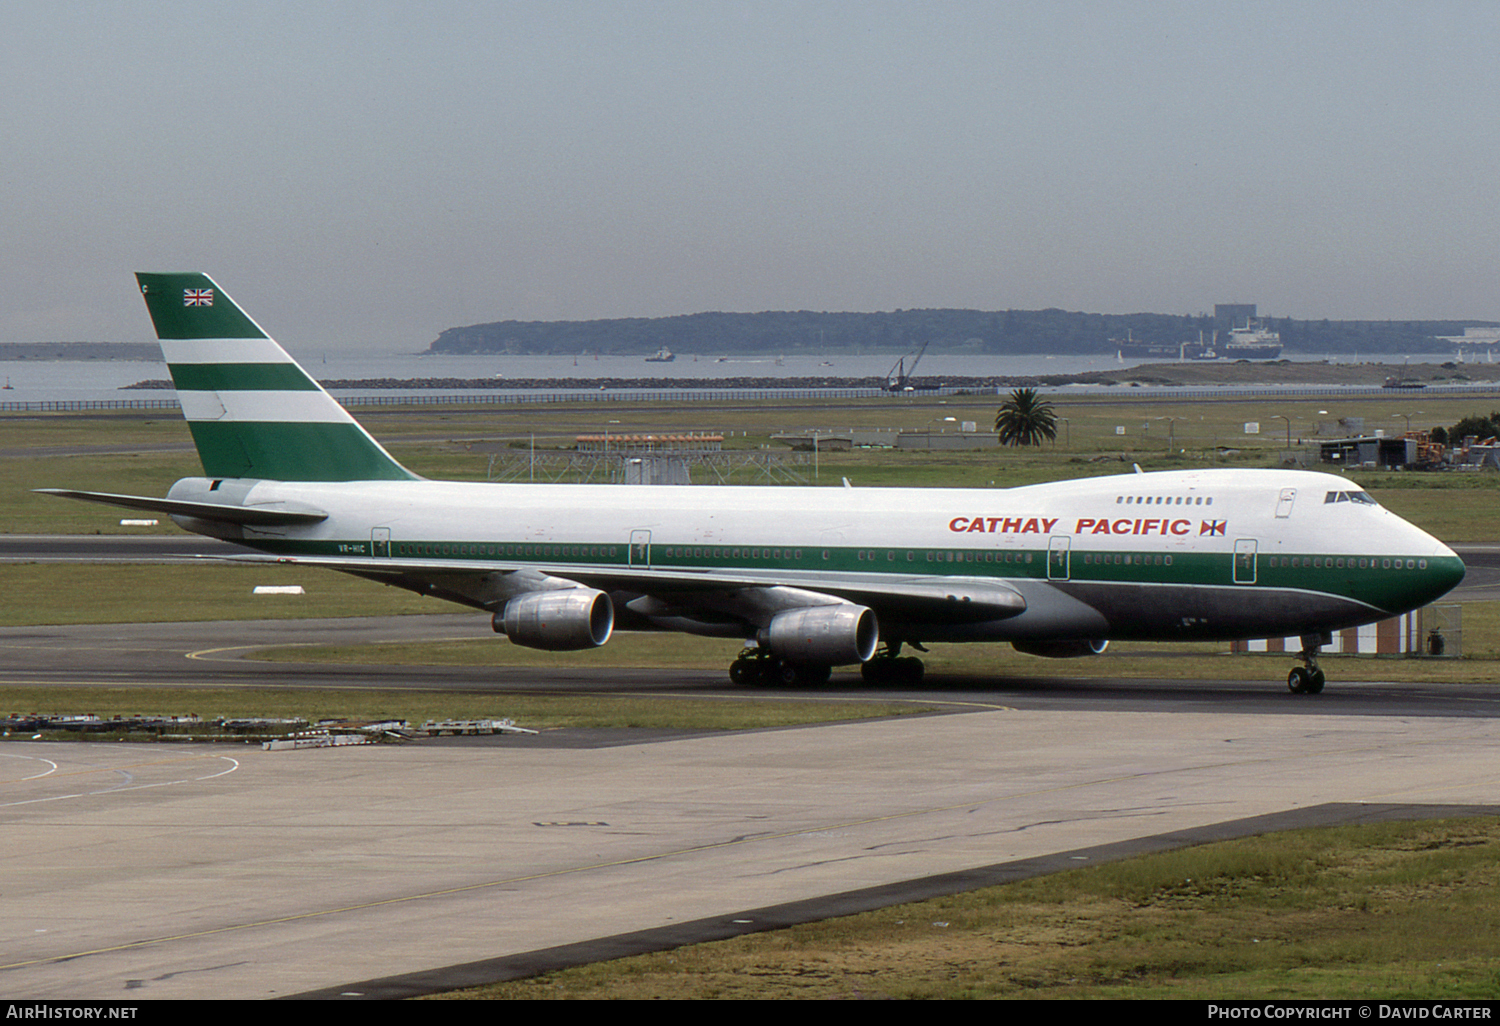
1382	588
241	377
293	452
209	315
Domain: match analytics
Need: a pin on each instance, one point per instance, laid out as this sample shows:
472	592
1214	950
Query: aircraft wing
489	584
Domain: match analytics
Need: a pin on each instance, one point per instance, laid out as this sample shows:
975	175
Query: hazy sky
370	173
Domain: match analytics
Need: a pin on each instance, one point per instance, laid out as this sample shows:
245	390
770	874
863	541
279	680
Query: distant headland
996	333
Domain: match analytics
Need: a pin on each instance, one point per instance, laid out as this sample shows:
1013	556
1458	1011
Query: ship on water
1251	342
1128	348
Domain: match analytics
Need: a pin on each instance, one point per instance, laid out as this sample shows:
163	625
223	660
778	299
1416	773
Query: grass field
1387	911
457	443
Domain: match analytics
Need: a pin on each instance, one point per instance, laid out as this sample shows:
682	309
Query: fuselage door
1284	503
1244	560
1057	558
640	548
380	542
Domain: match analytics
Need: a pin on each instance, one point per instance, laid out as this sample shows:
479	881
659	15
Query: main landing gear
756	667
1308	680
886	668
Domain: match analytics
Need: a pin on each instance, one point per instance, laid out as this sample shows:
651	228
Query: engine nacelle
1062	649
823	635
558	621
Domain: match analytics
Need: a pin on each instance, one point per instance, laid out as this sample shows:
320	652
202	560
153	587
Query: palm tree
1025	419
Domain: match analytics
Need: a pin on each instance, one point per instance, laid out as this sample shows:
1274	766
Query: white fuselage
1206	553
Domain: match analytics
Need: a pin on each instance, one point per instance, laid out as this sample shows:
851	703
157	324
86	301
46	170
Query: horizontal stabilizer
251	516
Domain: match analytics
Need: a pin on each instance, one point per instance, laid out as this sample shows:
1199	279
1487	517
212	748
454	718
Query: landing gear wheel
1309	679
802	675
754	670
746	673
758	670
883	669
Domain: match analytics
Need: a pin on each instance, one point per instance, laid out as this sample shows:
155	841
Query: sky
366	174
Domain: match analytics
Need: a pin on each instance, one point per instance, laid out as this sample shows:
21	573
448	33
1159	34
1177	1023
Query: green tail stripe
192	306
241	377
293	452
291	431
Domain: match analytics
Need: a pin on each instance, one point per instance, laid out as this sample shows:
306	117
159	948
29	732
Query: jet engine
558	621
1062	649
823	635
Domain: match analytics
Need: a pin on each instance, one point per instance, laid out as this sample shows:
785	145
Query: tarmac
146	872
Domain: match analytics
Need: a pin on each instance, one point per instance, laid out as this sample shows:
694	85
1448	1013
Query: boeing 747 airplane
809	578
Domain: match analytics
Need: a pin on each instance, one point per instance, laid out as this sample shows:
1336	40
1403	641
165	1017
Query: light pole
942	430
1171	432
1277	416
607	468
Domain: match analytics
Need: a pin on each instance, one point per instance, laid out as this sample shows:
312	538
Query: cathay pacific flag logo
197	297
1212	527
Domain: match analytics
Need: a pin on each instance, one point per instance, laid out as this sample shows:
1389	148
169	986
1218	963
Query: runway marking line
206	654
234	765
34	776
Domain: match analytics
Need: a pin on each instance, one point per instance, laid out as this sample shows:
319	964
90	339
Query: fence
1435	630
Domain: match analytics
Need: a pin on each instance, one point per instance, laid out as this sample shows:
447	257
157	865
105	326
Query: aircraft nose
1455	566
1444	571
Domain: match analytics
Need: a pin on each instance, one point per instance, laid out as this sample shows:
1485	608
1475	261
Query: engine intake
1062	649
824	635
558	621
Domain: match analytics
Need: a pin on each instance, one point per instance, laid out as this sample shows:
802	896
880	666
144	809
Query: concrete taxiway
201	872
197	871
157	872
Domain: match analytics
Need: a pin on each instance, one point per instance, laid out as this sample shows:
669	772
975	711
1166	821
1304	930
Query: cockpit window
1360	497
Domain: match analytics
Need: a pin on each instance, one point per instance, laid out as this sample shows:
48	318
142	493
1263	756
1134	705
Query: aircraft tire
907	671
1299	681
748	673
801	675
1315	682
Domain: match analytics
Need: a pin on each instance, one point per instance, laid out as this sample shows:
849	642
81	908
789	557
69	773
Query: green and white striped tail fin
252	410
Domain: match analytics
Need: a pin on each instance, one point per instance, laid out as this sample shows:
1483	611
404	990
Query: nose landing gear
1308	680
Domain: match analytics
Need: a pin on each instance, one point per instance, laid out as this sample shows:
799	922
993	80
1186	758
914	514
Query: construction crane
896	378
